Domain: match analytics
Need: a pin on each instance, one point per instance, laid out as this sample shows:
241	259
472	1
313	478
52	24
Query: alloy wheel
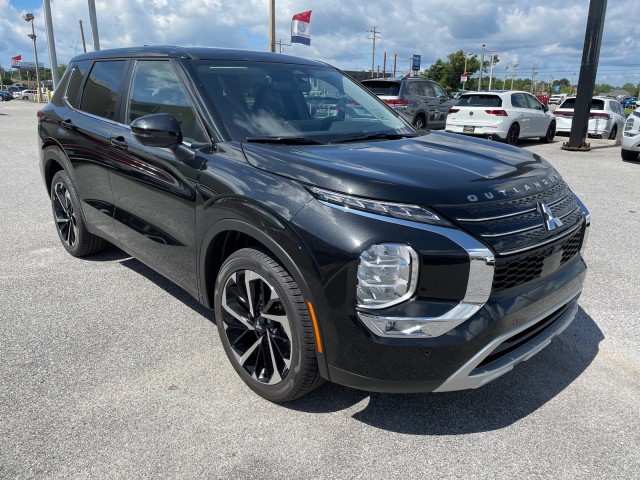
65	216
257	327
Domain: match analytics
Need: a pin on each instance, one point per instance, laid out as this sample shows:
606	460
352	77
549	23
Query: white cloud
547	33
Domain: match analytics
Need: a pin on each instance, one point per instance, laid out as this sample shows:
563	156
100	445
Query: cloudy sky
547	33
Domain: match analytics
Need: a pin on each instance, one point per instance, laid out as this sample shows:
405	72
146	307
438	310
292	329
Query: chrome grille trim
513	232
508	215
551	240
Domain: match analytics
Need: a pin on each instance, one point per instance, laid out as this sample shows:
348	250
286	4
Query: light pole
481	67
506	72
28	17
493	53
513	74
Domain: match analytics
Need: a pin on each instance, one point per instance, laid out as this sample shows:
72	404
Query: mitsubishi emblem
550	222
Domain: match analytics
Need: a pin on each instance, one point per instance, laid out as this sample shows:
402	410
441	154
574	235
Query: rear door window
596	104
102	87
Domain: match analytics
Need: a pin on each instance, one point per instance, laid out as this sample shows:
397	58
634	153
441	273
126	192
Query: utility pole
493	52
384	66
93	19
395	59
504	83
272	25
481	67
533	77
513	74
374	35
84	44
53	59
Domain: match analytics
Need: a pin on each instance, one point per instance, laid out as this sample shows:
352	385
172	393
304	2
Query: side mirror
157	130
545	108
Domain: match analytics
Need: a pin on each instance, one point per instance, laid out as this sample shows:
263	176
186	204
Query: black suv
333	243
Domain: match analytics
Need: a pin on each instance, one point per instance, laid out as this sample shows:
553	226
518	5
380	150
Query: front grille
515	228
516	270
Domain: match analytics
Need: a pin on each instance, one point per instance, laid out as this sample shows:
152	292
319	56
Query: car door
439	104
155	188
85	129
523	114
539	118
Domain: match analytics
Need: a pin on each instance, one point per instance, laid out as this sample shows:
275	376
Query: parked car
5	96
501	115
27	94
557	98
421	102
631	137
350	249
542	98
629	102
606	117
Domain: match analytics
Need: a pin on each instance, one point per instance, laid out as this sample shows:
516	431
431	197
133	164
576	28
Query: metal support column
51	43
587	80
93	19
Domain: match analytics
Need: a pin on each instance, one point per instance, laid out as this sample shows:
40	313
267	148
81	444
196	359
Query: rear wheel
614	133
551	132
67	214
420	122
265	327
513	134
629	155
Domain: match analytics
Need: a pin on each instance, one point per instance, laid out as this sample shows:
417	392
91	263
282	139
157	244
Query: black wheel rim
64	214
257	327
551	132
512	136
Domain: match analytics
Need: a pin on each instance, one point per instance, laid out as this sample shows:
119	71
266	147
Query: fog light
387	275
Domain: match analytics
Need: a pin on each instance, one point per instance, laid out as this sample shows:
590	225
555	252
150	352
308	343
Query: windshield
279	100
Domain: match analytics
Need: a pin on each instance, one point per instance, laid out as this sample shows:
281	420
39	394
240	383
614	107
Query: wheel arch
54	159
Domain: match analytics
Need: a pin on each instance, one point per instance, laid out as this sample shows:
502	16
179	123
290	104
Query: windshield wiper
376	136
283	140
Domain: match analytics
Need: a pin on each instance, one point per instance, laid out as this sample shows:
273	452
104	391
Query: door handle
66	123
119	142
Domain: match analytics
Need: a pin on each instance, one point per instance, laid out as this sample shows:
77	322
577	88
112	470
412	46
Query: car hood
436	168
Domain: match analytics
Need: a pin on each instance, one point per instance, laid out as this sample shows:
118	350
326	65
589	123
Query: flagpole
272	25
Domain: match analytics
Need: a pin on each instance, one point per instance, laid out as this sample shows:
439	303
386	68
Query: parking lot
107	370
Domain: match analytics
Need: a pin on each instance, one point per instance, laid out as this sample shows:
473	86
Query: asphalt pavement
107	370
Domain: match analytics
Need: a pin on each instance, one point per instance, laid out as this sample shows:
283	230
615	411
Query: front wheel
265	327
420	123
551	132
513	134
73	233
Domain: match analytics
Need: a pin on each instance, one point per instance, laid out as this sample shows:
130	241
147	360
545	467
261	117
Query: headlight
387	275
403	211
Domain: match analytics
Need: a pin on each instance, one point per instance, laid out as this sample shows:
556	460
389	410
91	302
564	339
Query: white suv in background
631	137
501	115
557	99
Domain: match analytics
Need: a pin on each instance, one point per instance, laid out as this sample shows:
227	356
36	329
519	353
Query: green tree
448	72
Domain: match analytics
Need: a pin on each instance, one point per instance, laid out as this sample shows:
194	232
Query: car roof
195	53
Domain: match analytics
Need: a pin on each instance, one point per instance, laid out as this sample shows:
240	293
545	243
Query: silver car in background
606	117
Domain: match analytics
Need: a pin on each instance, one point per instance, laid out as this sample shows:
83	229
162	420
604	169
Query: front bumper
501	330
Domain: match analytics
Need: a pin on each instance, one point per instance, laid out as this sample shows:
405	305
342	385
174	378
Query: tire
513	134
269	340
614	133
1	98
420	122
551	132
68	218
629	155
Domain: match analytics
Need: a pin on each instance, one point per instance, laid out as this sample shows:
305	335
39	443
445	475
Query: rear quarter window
76	77
384	88
479	101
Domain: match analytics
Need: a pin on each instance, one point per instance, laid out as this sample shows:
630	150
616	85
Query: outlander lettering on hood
517	190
